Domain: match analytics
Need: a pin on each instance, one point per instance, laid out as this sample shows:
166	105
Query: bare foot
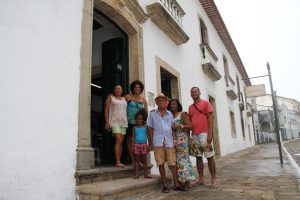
213	183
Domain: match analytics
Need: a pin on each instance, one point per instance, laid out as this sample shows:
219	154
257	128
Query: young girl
139	142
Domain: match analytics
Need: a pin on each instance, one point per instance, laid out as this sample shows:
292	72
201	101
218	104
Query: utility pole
275	114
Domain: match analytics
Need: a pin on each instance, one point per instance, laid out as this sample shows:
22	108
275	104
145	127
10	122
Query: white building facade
288	115
51	121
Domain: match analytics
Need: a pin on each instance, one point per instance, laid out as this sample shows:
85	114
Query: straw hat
161	95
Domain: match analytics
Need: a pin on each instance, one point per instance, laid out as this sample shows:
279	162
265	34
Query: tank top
132	108
117	112
140	135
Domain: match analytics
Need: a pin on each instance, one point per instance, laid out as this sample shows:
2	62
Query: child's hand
151	147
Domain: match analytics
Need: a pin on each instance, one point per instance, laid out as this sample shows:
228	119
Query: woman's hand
107	126
176	126
175	145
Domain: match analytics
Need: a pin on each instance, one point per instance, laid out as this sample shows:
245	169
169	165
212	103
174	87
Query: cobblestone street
254	173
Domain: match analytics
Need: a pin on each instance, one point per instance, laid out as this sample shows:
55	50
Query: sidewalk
293	147
254	173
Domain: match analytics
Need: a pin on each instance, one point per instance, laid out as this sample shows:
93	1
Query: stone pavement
293	147
254	173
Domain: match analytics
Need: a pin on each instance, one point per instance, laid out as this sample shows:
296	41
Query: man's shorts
117	129
163	154
202	145
140	149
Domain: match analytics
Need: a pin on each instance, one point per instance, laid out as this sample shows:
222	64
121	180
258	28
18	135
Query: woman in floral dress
182	126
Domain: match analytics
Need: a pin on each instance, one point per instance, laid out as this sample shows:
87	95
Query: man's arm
174	139
150	138
210	117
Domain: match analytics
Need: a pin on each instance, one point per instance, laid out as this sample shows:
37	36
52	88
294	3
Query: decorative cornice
136	10
211	72
217	21
231	94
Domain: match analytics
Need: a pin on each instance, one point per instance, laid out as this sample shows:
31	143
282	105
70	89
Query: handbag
193	147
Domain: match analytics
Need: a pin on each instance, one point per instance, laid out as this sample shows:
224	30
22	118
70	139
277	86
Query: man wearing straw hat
163	141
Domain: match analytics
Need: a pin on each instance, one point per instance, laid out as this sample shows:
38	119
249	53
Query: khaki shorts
163	154
117	129
204	148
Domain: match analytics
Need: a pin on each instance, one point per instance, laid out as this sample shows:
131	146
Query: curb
291	159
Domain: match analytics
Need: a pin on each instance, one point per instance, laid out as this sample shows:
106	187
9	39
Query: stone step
124	188
104	173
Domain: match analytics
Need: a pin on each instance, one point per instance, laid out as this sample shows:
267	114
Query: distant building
288	116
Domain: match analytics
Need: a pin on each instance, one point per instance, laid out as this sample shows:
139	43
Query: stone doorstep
124	188
105	173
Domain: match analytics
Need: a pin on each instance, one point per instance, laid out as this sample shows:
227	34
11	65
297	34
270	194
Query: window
226	70
203	32
232	125
168	79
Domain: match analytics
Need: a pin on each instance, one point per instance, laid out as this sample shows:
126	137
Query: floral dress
184	164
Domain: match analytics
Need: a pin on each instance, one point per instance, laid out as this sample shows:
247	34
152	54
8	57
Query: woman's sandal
165	189
147	176
181	188
120	165
198	184
136	176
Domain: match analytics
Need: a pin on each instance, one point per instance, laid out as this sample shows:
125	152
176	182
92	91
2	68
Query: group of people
166	131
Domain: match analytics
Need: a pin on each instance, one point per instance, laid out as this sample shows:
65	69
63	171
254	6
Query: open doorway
109	67
216	141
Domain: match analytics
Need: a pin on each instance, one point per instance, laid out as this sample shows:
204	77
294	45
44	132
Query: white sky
267	30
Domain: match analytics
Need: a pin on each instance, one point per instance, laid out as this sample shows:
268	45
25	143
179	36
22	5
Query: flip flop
198	184
181	188
165	189
120	165
136	176
147	176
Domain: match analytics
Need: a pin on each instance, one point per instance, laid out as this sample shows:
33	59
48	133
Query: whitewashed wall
187	59
39	84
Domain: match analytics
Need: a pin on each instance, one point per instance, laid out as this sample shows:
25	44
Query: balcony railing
167	15
173	9
230	90
208	54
